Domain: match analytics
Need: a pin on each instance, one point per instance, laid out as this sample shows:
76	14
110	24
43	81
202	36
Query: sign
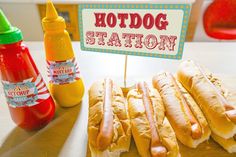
153	30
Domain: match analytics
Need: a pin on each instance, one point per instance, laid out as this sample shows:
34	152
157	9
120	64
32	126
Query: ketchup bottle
28	99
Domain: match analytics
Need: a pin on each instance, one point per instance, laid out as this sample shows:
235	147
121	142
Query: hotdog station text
132	21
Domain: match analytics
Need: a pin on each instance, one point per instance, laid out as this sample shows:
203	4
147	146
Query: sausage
157	149
195	128
105	134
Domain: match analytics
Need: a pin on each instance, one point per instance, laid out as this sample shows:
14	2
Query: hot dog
152	132
185	116
157	149
104	137
196	130
109	129
230	110
216	102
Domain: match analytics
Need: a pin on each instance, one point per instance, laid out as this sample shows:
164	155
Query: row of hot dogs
190	107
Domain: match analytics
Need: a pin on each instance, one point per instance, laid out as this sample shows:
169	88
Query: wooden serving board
206	149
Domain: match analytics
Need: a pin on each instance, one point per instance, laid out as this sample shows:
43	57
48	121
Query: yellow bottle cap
52	21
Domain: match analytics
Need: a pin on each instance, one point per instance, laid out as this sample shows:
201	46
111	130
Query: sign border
184	7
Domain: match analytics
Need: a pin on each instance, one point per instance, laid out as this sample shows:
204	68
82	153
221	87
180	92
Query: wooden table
66	135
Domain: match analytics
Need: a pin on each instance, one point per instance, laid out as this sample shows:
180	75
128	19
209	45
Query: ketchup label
30	92
63	72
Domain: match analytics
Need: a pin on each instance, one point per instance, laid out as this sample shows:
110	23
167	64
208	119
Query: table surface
66	135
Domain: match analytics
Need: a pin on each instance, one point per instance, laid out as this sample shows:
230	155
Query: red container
29	101
28	98
220	19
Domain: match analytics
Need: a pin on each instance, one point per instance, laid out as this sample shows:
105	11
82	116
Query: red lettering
148	21
135	20
100	19
21	92
128	37
122	17
150	41
90	38
62	70
101	36
111	20
114	40
161	24
11	93
138	42
169	42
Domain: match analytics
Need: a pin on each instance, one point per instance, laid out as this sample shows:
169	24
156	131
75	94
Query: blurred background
27	15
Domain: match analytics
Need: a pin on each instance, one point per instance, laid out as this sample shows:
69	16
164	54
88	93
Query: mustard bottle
66	85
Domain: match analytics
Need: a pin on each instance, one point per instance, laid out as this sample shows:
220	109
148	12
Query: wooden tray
207	149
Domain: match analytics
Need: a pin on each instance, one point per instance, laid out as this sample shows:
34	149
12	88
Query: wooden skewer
125	71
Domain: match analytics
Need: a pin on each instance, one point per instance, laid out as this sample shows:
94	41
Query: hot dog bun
210	98
149	121
220	107
185	116
107	106
227	144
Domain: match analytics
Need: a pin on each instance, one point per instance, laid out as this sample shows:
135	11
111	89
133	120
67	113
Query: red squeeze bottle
28	98
220	19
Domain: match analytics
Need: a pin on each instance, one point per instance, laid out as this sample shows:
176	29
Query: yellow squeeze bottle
66	85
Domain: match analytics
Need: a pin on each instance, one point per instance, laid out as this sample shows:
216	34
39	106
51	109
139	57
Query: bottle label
63	72
30	92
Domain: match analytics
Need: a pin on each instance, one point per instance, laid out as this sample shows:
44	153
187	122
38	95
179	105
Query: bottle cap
8	33
52	21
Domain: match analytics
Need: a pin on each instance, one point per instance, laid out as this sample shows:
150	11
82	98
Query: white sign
155	30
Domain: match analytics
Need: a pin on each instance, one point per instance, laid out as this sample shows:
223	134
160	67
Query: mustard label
63	72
